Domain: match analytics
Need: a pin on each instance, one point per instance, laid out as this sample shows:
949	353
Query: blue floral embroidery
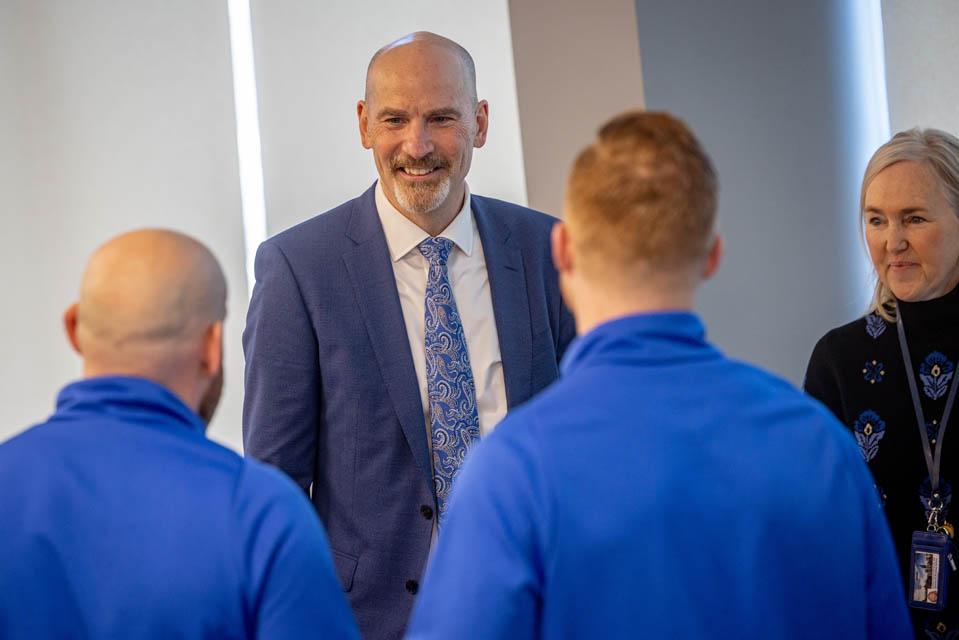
869	430
875	325
936	629
873	372
935	373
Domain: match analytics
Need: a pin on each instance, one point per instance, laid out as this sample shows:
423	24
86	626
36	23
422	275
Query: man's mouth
415	175
422	169
418	171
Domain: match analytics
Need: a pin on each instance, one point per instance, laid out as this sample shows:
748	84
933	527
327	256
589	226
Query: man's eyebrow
390	113
445	111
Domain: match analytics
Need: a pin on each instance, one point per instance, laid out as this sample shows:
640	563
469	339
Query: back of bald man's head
147	299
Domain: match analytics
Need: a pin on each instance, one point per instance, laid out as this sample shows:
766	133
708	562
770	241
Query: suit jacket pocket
345	566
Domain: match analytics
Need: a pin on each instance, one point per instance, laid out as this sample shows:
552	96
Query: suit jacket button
412	586
426	511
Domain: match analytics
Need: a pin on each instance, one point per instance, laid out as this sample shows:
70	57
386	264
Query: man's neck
184	389
596	306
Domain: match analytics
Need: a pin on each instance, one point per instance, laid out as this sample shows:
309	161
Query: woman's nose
896	239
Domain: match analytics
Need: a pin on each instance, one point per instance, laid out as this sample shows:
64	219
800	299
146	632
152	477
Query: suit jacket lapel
507	282
371	273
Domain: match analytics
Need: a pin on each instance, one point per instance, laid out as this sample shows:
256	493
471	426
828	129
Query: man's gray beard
422	199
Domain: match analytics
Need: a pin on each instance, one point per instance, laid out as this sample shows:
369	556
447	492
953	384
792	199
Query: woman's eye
874	221
915	220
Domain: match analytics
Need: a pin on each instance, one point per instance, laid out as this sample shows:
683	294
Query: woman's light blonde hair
936	150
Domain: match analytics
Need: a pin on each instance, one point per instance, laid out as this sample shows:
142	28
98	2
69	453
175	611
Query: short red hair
644	193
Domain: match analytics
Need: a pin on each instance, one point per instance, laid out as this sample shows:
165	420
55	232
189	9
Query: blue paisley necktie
454	421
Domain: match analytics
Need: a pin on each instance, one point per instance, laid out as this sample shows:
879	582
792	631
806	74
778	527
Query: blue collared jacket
120	519
661	490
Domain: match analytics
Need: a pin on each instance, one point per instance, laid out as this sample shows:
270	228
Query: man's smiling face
422	120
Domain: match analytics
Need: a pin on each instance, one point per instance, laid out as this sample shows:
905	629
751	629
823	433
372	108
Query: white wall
311	62
922	63
577	65
114	115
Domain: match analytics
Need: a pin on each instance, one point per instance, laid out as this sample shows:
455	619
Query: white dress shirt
467	273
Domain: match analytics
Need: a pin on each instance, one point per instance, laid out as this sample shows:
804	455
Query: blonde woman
891	376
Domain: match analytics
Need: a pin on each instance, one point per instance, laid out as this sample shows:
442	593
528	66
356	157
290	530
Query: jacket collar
645	338
126	398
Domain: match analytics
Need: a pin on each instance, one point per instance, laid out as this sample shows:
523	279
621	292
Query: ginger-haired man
659	489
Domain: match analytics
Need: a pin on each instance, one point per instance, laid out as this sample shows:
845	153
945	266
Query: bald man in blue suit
386	336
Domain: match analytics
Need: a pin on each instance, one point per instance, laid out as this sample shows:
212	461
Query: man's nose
418	142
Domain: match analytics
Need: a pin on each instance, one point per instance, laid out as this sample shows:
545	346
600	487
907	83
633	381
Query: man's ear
559	241
713	258
70	326
211	356
362	116
482	123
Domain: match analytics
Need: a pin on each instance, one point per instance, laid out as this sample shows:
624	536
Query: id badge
930	563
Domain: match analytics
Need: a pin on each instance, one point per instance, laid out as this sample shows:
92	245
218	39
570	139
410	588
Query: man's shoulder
514	215
771	389
784	419
266	485
19	447
323	229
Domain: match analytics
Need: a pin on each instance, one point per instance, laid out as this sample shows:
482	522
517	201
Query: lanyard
932	462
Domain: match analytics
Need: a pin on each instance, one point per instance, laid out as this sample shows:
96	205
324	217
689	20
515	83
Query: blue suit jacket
332	396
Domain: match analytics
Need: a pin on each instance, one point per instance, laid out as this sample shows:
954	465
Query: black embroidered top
857	371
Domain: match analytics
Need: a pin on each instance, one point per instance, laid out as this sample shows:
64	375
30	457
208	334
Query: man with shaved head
386	336
118	518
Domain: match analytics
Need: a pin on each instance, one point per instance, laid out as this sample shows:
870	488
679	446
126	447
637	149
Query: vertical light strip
867	121
247	132
873	54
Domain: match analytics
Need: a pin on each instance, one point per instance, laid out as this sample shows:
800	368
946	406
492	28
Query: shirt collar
402	235
126	398
646	338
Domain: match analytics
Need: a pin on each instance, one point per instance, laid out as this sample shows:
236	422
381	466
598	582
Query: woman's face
912	232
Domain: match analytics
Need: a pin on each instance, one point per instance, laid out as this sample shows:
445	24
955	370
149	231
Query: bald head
404	54
151	303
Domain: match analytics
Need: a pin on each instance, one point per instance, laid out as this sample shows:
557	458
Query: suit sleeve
485	578
281	404
292	589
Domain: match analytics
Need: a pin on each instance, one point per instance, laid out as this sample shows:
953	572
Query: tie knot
436	250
